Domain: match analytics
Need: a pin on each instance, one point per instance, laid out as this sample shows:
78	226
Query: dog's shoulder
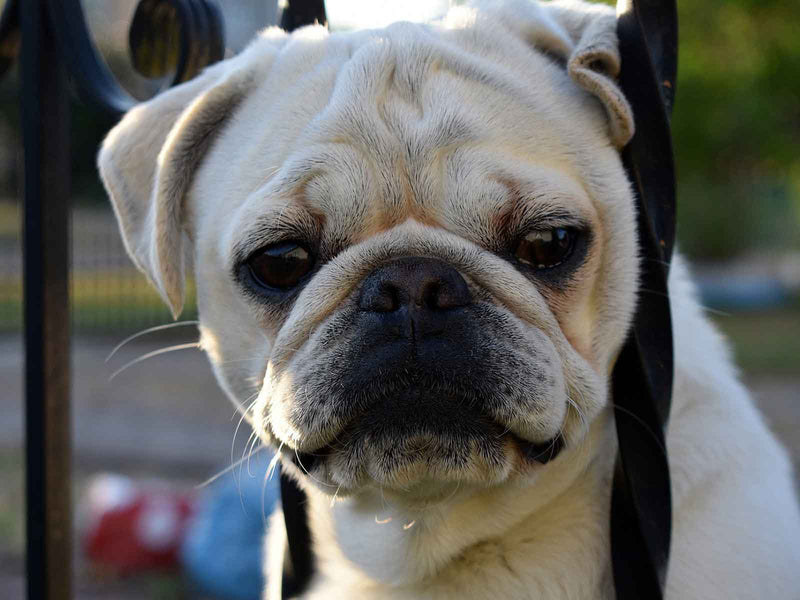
736	517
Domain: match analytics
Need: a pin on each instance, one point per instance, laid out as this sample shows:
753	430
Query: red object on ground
133	529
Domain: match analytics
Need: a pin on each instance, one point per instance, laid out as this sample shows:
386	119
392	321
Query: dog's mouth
399	444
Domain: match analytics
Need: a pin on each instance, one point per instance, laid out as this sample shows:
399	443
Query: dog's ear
594	62
584	37
148	160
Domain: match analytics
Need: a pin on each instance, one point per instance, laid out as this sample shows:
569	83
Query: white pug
415	257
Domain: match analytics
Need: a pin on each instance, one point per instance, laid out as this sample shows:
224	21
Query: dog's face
414	248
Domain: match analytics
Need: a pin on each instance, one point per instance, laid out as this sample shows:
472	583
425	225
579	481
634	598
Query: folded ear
148	160
584	37
594	62
146	163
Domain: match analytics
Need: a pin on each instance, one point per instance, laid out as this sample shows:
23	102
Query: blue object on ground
742	292
223	550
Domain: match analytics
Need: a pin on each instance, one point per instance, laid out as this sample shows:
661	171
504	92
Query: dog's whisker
139	334
505	431
219	474
703	307
453	494
267	478
383	497
241	462
644	425
654	292
247	451
310	476
575	390
584	421
263	501
715	311
153	354
336	493
241	360
274	463
243	409
252	442
667	264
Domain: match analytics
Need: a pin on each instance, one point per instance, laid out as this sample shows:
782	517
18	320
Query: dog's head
414	248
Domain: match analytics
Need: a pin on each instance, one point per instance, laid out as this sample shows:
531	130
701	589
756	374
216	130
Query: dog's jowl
416	263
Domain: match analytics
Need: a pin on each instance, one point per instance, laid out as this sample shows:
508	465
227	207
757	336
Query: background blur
163	422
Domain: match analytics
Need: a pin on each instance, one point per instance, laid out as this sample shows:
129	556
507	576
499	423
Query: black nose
422	285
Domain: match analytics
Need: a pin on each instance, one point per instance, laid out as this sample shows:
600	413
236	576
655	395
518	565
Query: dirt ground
166	418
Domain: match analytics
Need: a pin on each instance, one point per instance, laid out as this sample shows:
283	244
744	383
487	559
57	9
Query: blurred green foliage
736	126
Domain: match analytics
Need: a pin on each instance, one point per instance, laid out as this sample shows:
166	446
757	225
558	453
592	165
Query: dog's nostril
430	296
449	292
425	283
386	300
379	296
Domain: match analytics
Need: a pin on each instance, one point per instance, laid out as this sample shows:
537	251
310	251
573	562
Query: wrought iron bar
45	121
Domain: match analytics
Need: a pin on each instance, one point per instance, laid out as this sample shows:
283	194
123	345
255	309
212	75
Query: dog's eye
546	248
281	265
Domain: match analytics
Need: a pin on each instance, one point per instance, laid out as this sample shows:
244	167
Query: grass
9	218
12	526
764	342
102	301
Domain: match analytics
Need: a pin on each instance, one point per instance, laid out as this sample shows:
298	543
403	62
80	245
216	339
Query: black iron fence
108	294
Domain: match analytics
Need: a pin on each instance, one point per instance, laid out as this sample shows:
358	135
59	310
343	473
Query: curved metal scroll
9	35
641	511
175	36
195	27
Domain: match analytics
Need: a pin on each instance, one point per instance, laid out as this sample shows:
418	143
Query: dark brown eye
546	248
280	266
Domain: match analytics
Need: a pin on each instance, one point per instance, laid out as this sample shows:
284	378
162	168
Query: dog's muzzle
422	376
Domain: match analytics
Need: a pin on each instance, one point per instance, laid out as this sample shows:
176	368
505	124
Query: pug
416	262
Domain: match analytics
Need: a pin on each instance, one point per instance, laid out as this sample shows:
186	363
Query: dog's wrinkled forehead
443	124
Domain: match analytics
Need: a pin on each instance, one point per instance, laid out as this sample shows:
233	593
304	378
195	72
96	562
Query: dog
416	262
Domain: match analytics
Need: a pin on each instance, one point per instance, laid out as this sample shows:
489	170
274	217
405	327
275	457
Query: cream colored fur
413	140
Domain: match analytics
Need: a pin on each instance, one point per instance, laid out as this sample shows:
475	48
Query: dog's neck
368	542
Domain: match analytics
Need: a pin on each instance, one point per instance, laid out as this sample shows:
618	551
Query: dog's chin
424	453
